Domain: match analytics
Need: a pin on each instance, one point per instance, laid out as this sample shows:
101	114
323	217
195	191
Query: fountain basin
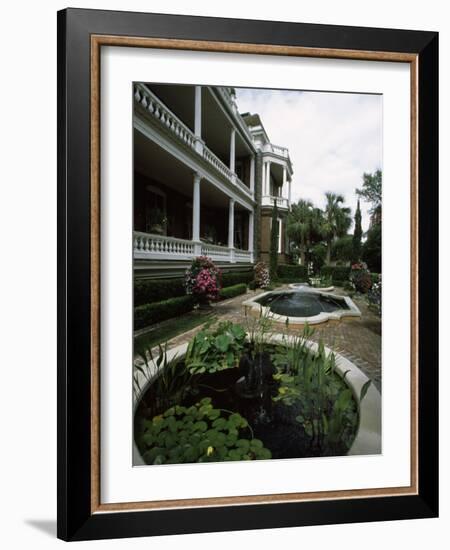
301	306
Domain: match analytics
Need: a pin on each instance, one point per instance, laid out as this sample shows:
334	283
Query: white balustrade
269	200
159	247
148	246
276	150
217	163
242	255
161	113
216	252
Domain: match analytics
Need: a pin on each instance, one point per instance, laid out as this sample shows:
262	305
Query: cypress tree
357	235
273	262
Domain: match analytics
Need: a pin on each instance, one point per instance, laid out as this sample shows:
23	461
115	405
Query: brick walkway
358	340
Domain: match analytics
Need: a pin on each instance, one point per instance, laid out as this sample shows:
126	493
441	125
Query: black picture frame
75	518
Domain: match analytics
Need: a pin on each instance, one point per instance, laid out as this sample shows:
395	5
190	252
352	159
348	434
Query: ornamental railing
148	246
276	149
269	200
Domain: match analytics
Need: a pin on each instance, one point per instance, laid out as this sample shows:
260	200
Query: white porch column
289	194
232	149
268	178
196	214
263	182
250	233
252	174
198	119
231	229
283	189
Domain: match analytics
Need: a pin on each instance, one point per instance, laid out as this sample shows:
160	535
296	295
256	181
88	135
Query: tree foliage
342	249
357	236
304	226
371	189
371	253
337	220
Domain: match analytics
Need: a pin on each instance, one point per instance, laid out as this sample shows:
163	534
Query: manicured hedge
150	314
231	279
232	291
157	290
293	272
339	274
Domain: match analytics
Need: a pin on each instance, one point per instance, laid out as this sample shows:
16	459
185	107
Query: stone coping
305	286
253	307
368	436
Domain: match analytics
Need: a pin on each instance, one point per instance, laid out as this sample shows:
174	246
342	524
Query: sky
333	138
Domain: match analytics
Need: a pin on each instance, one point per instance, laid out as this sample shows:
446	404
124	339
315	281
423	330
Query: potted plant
203	280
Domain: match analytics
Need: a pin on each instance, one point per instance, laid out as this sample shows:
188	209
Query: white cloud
333	138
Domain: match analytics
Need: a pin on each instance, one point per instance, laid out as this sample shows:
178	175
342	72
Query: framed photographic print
247	274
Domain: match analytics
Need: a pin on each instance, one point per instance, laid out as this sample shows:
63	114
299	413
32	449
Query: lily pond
236	394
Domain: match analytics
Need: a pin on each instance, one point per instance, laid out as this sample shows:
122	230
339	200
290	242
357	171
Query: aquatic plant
308	381
199	433
170	378
215	348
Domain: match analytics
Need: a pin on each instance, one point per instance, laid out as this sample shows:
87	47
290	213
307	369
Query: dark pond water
301	303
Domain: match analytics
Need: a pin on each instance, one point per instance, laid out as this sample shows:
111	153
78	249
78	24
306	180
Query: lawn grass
171	328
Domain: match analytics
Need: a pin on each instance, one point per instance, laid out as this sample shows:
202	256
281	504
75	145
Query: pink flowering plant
203	279
262	275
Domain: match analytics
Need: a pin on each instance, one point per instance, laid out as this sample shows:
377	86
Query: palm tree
337	220
304	225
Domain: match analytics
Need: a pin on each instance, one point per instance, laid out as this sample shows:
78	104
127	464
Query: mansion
206	179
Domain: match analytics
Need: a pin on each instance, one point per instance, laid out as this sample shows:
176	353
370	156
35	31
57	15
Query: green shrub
338	274
232	291
317	256
231	279
375	277
293	272
149	291
148	314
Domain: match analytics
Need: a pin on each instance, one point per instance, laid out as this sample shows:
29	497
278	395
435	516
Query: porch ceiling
157	164
276	171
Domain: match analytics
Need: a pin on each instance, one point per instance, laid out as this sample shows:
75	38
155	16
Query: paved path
357	340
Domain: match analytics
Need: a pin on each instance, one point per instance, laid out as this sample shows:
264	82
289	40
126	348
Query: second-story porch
180	214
